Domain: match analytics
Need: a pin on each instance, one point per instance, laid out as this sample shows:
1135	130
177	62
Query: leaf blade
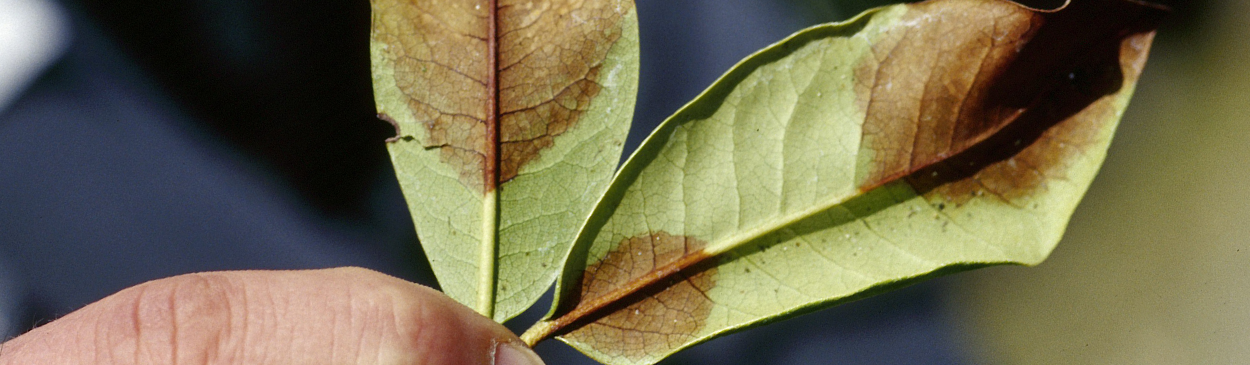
497	103
817	187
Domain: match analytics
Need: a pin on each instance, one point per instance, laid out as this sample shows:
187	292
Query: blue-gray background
192	135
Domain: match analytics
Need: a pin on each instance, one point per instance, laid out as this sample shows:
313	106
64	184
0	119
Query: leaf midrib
488	261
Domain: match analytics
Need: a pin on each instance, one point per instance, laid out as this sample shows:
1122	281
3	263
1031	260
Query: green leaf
510	117
910	142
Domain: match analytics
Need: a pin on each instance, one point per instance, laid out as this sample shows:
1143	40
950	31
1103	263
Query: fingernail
508	353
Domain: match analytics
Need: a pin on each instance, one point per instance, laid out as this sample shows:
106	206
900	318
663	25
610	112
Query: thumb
334	316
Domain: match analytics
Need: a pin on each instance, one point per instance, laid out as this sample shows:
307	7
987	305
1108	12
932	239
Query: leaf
510	117
910	142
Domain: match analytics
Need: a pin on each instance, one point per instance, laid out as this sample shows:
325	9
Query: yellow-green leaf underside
912	141
510	118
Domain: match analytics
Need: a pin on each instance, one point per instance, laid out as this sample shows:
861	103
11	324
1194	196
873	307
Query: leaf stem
538	332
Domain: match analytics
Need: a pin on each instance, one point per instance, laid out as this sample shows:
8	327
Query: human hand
333	316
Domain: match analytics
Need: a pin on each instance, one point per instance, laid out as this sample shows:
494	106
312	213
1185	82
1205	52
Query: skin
332	316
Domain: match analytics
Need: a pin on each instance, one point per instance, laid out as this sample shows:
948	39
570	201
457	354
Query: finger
334	316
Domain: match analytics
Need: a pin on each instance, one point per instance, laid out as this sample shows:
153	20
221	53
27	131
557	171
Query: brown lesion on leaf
1037	149
543	72
635	258
1003	106
929	82
643	297
656	323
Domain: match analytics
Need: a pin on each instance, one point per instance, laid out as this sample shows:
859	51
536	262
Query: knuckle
202	300
187	315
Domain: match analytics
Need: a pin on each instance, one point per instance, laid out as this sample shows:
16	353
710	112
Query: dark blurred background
145	139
